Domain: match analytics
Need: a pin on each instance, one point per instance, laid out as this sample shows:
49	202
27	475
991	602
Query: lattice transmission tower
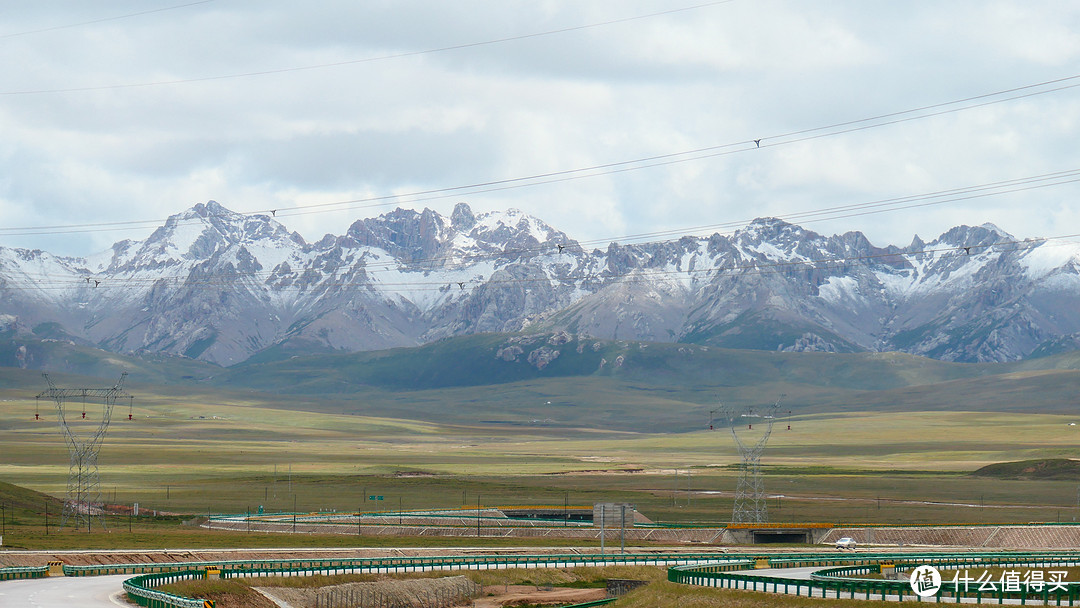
83	501
751	503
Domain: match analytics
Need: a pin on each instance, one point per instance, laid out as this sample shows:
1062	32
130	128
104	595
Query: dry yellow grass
665	594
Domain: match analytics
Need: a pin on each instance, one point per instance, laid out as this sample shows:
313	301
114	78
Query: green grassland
234	455
885	438
465	381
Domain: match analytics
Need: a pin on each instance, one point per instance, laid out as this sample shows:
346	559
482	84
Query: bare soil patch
498	596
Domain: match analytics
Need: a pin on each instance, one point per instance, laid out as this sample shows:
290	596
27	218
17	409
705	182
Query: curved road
65	592
802	574
107	591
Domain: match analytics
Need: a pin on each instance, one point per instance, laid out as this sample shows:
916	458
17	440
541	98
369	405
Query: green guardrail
140	589
387	564
7	574
991	558
829	583
776	560
846	573
709	569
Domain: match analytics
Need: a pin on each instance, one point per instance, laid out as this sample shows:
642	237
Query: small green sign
374	497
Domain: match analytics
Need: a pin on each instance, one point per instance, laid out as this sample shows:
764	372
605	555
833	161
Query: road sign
374	497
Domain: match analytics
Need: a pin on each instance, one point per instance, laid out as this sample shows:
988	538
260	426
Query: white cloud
710	76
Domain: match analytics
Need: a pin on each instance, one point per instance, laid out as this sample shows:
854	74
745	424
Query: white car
846	543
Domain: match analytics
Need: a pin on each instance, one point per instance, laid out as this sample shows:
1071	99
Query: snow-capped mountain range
222	287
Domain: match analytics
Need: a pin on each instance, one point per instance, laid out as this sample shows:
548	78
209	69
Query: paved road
65	592
70	592
802	574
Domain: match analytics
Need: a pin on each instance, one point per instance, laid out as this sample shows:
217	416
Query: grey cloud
379	159
716	75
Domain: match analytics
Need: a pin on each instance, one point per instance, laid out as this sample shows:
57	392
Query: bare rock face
221	286
542	357
509	353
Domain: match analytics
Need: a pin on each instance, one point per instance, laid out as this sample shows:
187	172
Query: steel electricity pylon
751	504
83	502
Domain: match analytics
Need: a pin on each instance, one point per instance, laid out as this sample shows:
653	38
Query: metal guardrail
776	560
7	574
829	583
846	573
709	569
140	589
388	564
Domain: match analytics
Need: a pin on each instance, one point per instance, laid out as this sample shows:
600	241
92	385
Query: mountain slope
572	382
222	287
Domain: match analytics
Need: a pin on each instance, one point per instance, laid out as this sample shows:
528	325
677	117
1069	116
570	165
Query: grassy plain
194	452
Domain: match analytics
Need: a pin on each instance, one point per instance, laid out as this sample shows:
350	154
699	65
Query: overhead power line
742	146
939	197
582	276
690	155
102	20
320	66
445	263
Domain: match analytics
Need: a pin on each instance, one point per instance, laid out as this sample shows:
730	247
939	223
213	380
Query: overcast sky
111	116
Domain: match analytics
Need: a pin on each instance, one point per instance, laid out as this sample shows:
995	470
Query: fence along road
83	587
86	589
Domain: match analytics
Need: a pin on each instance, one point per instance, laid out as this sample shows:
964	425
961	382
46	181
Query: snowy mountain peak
193	235
222	286
462	219
973	236
515	230
774	230
423	236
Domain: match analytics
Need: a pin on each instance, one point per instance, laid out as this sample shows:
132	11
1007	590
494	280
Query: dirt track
515	595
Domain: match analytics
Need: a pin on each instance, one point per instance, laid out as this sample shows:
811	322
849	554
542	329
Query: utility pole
603	508
622	534
83	488
751	503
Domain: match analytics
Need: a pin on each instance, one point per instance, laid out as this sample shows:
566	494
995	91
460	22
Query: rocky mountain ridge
222	287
